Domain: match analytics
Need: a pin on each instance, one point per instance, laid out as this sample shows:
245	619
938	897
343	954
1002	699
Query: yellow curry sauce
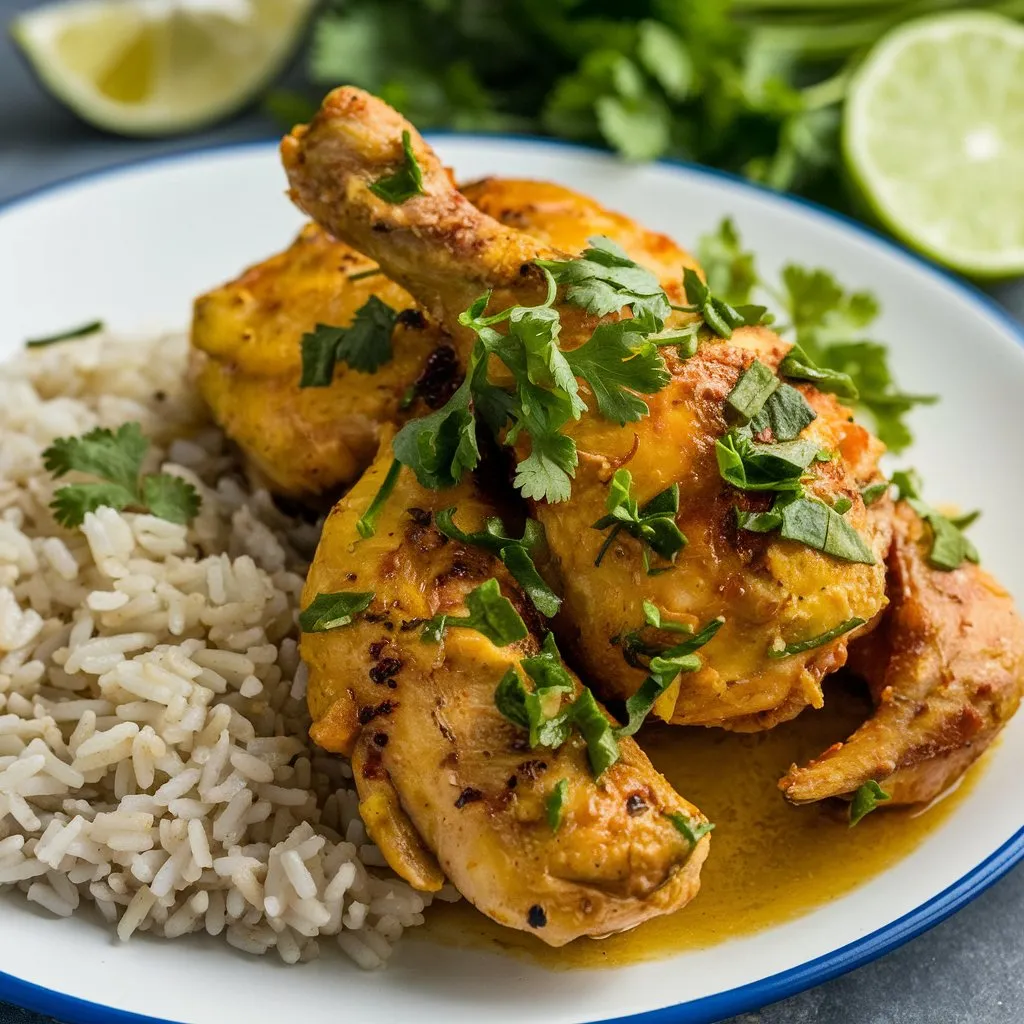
769	862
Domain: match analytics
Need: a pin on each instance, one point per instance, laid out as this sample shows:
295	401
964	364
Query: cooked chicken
446	252
247	363
446	782
945	668
246	338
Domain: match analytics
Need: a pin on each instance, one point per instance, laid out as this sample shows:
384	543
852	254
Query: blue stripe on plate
723	1004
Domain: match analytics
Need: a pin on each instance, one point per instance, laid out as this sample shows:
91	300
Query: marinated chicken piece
446	783
246	362
246	338
945	669
446	252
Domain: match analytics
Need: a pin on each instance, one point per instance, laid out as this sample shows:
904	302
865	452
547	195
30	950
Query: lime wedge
154	67
934	136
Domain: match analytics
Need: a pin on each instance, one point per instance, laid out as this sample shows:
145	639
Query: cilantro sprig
866	800
828	324
365	345
653	523
949	547
490	613
116	458
405	182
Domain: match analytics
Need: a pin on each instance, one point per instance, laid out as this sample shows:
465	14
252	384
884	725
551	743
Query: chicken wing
446	782
945	669
769	590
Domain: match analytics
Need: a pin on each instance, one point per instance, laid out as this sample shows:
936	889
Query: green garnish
800	646
82	331
763	467
406	182
332	611
652	617
717	313
540	711
555	804
784	415
663	669
653	524
842	505
367	524
798	365
755	385
810	522
691	830
490	613
361	275
365	345
827	324
603	279
865	800
950	548
514	552
116	458
731	271
873	492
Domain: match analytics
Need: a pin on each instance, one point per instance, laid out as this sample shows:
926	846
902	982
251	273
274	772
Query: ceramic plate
135	245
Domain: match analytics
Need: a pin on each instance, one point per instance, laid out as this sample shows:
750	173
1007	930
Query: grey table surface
968	970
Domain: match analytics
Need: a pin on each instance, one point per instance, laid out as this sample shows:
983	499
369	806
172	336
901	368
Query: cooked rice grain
153	752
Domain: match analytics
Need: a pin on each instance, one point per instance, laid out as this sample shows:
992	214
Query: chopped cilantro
949	548
554	804
797	365
406	182
731	271
874	492
490	613
750	466
82	331
116	458
653	524
800	646
332	611
367	524
716	313
691	829
866	799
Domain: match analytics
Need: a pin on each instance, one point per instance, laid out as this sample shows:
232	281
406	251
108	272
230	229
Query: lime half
153	67
934	136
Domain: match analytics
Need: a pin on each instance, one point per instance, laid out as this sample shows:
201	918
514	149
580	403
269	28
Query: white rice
154	760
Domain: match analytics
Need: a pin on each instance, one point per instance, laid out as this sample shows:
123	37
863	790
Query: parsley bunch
115	457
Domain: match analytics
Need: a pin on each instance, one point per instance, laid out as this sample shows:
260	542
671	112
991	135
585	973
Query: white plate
135	245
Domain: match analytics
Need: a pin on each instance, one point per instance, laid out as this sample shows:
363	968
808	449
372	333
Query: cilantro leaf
755	385
171	498
718	314
366	526
332	611
70	504
405	182
874	492
113	456
592	722
617	357
784	415
365	345
554	804
866	800
949	548
785	650
490	613
664	56
691	829
798	365
750	466
603	279
442	446
116	457
653	524
514	553
546	473
731	271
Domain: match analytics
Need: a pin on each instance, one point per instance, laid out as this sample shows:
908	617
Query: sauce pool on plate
769	861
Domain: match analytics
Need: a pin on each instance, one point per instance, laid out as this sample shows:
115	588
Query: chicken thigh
774	594
447	783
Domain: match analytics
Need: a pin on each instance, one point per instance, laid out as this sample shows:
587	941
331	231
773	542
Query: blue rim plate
927	357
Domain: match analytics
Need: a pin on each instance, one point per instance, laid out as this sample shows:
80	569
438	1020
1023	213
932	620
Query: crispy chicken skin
446	252
446	783
246	338
945	668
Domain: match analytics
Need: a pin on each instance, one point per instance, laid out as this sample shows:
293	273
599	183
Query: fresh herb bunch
754	86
